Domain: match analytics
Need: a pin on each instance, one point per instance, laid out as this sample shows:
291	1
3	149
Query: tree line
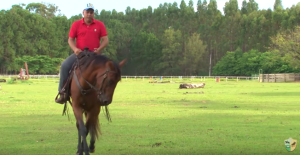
172	39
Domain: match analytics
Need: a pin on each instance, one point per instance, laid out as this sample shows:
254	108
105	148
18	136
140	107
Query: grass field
244	117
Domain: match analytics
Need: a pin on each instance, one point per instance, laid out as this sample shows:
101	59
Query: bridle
100	91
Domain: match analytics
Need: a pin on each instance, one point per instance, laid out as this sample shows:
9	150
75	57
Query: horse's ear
121	64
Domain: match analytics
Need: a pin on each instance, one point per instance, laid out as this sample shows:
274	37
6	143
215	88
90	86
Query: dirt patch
185	104
156	145
153	105
199	92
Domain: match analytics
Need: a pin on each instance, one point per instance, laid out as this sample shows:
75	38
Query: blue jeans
66	66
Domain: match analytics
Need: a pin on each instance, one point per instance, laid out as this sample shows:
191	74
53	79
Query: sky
70	9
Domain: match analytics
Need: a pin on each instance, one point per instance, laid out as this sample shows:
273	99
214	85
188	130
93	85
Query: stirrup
62	97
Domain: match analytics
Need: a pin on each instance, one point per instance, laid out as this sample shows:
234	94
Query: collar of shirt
82	21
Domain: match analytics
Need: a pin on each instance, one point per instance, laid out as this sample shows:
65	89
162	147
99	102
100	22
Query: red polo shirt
87	35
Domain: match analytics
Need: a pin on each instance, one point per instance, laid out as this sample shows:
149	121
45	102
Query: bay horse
92	83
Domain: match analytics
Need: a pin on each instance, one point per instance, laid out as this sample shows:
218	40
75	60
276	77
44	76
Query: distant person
88	32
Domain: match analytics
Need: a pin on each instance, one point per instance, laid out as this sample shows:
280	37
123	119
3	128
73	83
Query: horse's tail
94	128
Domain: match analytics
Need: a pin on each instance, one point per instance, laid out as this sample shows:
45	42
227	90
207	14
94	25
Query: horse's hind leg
81	132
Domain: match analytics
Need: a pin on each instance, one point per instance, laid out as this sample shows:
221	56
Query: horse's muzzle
104	101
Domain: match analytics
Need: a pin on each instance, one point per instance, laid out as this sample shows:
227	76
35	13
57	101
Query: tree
194	50
248	63
232	17
228	65
252	6
244	7
40	64
145	51
170	52
287	44
38	29
270	62
278	4
45	10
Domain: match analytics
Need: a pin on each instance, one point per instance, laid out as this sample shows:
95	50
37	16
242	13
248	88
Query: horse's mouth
106	103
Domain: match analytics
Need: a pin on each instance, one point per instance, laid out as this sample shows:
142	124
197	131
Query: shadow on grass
277	93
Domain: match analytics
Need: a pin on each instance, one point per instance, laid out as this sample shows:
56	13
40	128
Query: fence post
237	79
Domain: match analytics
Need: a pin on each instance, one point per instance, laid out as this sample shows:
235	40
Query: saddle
83	58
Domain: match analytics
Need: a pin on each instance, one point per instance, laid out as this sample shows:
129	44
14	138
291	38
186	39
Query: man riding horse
88	32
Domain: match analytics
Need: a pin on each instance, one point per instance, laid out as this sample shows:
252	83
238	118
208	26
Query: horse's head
108	77
102	75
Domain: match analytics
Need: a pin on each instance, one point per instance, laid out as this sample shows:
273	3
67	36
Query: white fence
124	77
202	78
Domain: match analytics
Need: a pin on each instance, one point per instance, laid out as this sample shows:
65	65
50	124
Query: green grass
244	117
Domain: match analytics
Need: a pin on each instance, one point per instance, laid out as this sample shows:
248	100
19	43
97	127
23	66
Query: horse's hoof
92	151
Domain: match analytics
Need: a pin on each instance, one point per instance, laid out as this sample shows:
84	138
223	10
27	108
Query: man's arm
103	44
72	44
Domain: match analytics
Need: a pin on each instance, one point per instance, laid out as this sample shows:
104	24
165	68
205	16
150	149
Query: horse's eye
110	82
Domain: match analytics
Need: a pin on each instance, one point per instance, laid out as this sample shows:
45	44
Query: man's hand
77	51
71	42
97	50
103	44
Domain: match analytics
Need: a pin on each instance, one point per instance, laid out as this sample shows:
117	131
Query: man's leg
66	66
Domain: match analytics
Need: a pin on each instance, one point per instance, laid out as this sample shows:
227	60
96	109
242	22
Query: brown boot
62	98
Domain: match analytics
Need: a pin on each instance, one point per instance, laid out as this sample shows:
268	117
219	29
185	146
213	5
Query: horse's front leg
82	132
92	143
92	123
80	145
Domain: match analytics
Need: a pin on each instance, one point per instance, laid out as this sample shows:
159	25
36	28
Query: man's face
88	14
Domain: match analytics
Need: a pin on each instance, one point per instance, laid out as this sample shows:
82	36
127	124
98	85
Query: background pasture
244	117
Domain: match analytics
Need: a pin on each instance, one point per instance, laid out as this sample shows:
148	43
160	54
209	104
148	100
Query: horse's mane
86	60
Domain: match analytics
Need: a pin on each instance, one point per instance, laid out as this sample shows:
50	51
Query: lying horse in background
91	85
193	85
